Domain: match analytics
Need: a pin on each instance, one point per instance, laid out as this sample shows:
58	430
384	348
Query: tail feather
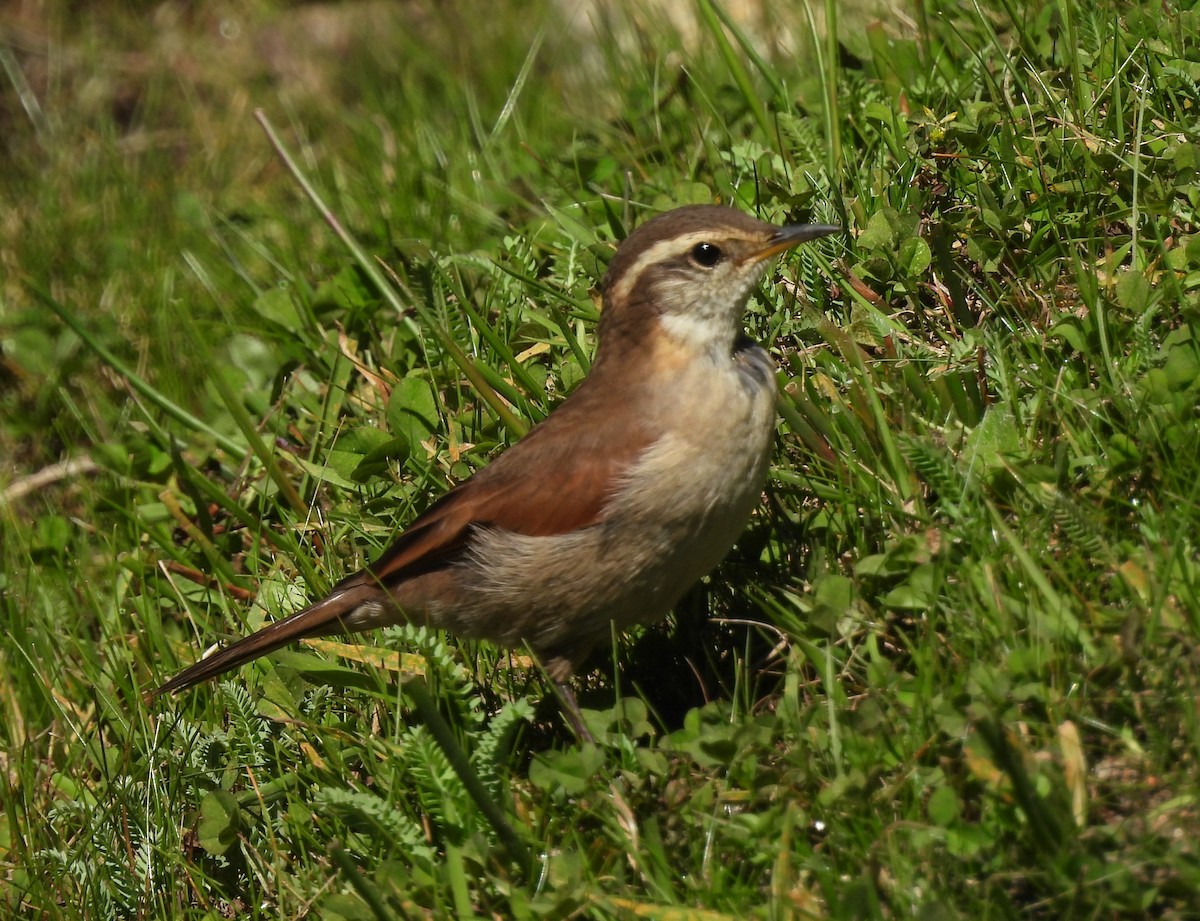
320	618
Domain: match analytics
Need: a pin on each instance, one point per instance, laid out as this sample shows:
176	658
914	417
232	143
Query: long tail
320	618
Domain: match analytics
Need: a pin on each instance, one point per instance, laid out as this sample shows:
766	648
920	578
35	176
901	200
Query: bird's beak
792	235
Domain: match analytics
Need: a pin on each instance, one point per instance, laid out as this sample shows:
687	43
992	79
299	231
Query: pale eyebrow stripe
655	254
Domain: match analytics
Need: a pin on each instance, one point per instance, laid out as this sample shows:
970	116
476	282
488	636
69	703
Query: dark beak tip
802	233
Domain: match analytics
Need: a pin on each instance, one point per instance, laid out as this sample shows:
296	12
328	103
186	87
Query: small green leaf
632	717
112	456
879	235
276	305
569	772
1186	156
874	564
1182	367
916	593
994	437
355	447
375	462
693	193
835	591
879	112
316	670
915	257
332	472
219	821
1133	291
257	361
412	410
53	533
346	906
1071	333
362	440
348	290
943	806
1123	449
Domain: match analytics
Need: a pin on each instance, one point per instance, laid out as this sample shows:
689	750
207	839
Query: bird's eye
706	254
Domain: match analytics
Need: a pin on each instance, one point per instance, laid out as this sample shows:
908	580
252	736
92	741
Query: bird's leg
625	813
559	668
571	711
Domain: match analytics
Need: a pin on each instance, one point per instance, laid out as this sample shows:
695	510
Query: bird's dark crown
718	220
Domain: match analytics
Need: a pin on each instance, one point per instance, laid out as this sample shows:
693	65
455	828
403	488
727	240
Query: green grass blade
155	397
388	291
751	96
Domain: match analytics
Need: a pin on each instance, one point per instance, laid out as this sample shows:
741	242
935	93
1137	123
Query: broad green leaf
568	772
219	822
914	257
943	806
994	437
879	234
412	411
1133	291
277	305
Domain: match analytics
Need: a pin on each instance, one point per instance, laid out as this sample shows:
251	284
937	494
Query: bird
627	494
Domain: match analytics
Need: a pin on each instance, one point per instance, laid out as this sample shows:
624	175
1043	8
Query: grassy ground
951	669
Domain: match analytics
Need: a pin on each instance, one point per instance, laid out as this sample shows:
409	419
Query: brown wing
556	479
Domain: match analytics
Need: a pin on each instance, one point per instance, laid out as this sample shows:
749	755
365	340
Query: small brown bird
623	498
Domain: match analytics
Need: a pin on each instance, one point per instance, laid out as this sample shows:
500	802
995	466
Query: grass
949	671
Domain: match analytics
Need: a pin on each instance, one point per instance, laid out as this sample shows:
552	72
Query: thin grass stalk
737	71
388	292
156	398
